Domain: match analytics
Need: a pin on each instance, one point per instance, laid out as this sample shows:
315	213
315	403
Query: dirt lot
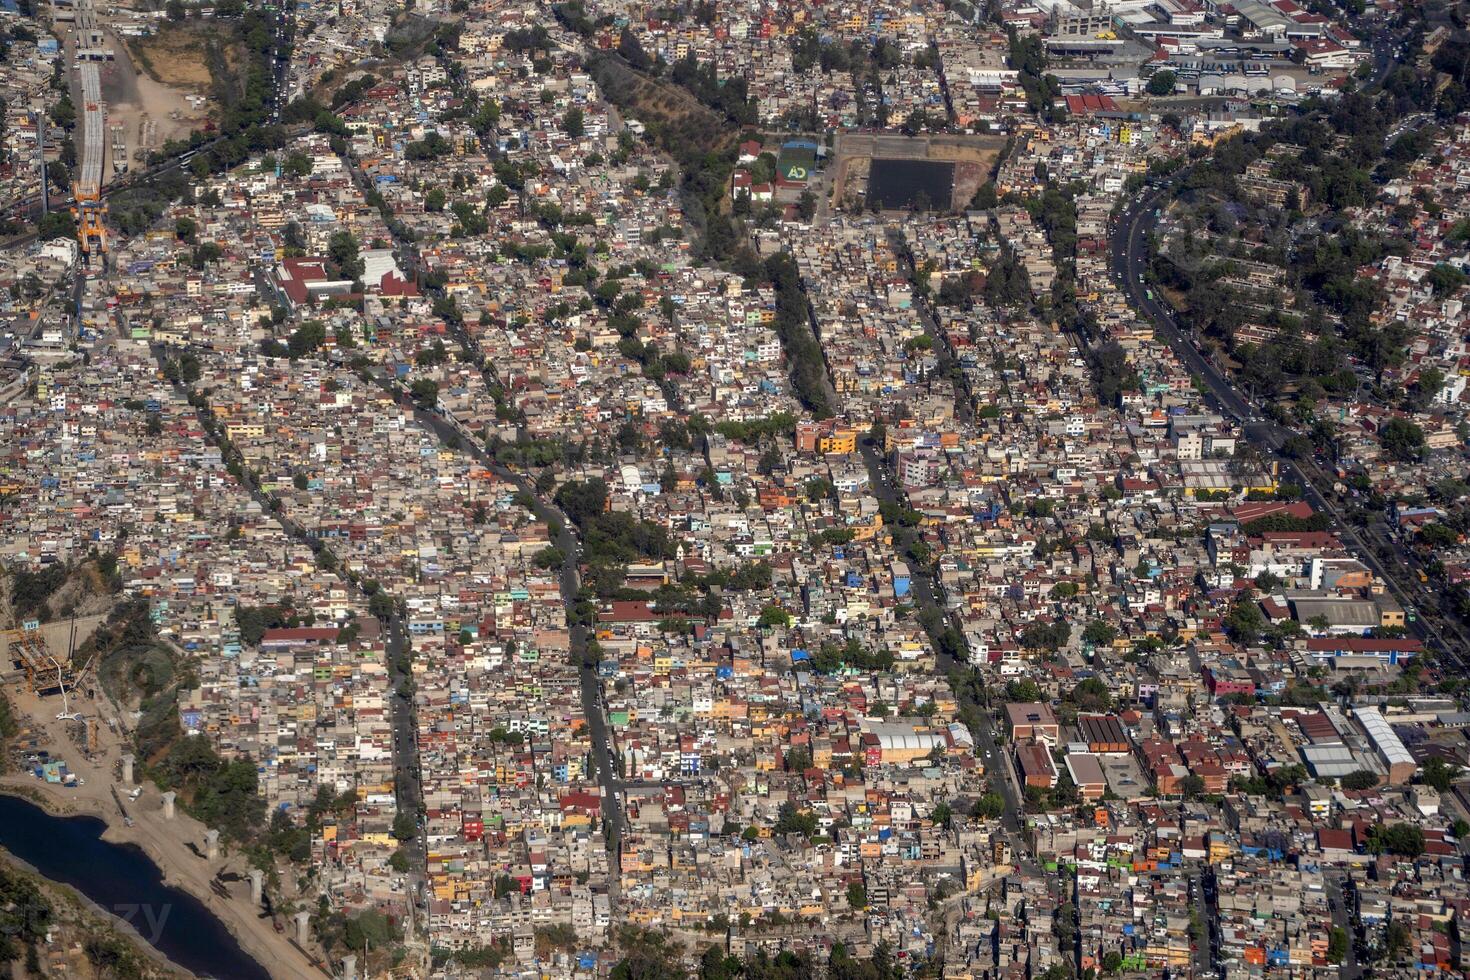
134	97
175	56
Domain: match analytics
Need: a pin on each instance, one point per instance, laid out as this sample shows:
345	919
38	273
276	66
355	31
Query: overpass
88	206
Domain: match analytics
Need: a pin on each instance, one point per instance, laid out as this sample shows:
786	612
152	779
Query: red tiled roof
1362	644
300	634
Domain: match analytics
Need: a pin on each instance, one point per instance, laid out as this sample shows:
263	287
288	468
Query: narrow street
1202	889
929	597
453	431
1339	902
948	364
407	785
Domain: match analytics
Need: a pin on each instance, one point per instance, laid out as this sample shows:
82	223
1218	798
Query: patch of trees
431	147
754	430
246	104
1244	621
529	452
1028	58
1402	839
830	658
113	956
253	621
525	39
574	17
729	96
610	539
133	663
1043	635
1275	783
1161	82
748	577
1006	283
1346	154
135	209
1112	374
622	537
56	224
1056	211
369	929
1401	439
292	841
64	113
9	727
342	251
678	604
1450	57
222	794
960	291
582	500
699	139
1062	796
30	591
790	820
656	365
1439	774
306	339
353	90
793	328
1444	279
25	918
1286	522
809	50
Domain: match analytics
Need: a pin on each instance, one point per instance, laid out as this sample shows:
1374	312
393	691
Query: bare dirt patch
981	150
184	56
170	83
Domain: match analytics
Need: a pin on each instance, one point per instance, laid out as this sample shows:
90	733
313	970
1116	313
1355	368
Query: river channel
124	881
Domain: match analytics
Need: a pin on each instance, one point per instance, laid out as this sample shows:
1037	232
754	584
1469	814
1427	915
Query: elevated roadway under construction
88	205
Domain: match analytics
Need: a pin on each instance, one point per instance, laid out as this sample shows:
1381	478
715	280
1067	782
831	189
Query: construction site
41	661
88	206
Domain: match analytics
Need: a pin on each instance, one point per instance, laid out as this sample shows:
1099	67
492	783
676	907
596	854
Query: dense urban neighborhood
717	489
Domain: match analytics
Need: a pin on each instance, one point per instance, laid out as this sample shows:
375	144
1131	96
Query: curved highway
1129	251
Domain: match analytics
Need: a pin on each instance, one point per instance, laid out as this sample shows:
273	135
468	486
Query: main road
1129	249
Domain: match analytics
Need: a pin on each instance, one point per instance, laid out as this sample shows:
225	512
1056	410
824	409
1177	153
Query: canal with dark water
122	879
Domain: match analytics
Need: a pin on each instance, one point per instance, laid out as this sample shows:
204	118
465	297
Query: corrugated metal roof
1382	735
